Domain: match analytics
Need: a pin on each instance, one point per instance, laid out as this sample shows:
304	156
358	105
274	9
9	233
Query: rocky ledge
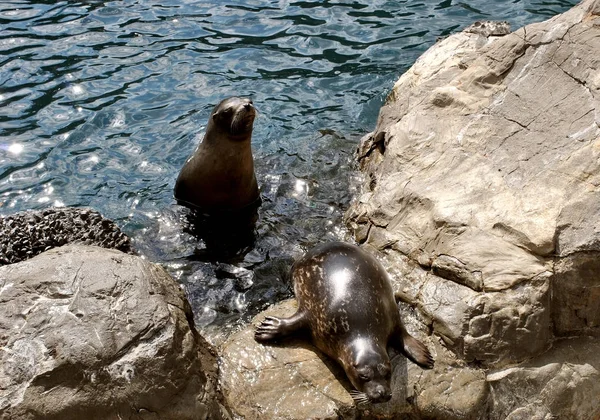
482	197
87	332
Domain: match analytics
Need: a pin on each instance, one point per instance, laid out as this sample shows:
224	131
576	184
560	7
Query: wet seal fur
346	303
219	176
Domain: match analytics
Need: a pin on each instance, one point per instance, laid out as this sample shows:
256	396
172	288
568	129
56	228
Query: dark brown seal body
220	173
346	301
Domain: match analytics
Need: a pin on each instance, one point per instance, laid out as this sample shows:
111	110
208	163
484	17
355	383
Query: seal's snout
248	105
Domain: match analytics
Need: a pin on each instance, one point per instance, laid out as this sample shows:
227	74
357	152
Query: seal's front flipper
412	348
273	328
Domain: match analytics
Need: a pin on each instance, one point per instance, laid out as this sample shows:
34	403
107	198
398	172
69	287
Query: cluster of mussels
26	234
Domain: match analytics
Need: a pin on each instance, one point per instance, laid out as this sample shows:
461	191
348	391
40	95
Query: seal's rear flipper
412	348
273	328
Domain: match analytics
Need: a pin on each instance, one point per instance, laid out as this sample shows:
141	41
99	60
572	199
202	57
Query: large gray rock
564	383
87	332
483	169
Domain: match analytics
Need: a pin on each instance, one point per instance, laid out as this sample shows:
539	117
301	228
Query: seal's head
235	117
370	372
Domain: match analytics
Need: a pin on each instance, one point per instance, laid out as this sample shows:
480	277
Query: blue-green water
102	102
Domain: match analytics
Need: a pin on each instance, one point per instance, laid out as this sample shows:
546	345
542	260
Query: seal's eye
365	374
223	114
364	377
384	370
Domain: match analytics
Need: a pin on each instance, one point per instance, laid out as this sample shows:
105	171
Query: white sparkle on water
15	148
77	89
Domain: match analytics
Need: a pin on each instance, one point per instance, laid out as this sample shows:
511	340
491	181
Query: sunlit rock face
87	332
484	169
482	198
482	194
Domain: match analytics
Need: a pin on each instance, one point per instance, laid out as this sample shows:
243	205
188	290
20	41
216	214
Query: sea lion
346	303
219	176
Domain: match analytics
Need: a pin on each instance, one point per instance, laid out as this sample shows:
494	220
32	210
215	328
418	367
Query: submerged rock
87	332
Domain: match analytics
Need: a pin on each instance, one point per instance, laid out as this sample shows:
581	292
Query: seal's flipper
412	348
273	328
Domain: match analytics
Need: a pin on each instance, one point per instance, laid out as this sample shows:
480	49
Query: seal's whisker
360	398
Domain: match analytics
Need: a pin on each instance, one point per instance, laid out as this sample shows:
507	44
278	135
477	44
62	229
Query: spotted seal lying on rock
346	303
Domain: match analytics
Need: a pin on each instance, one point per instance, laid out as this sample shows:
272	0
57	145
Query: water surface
102	102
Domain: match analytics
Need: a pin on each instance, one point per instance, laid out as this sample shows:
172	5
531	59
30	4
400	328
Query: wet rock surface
26	234
293	380
88	332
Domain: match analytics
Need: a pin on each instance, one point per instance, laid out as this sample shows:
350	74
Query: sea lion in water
220	174
346	302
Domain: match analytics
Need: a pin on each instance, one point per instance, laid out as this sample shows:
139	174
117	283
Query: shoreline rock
87	332
483	170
